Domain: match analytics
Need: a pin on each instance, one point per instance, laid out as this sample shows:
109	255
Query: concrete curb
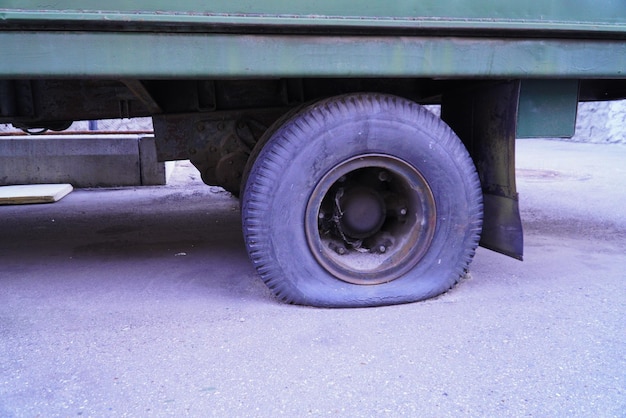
81	160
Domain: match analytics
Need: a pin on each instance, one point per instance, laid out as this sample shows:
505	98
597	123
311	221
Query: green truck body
216	76
557	38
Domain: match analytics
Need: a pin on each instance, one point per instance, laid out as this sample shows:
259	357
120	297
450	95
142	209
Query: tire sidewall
323	136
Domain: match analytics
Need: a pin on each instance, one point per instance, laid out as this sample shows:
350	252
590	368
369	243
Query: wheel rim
370	219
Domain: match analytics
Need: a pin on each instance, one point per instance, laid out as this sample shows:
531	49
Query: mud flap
485	118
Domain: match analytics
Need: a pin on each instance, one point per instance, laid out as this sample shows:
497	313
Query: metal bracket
143	95
217	143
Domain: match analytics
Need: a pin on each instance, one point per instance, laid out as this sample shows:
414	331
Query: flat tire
361	200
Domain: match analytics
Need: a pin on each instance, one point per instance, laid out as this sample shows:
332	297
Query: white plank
33	193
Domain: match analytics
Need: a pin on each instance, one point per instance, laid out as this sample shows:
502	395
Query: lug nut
403	211
339	249
383	176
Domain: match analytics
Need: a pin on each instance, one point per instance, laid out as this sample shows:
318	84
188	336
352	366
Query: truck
314	114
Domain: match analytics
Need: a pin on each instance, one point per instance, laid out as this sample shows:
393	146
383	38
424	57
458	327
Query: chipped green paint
155	55
554	14
300	38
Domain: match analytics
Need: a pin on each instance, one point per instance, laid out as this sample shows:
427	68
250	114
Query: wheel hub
362	212
370	219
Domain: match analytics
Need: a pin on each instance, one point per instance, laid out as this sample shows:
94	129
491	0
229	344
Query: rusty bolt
339	249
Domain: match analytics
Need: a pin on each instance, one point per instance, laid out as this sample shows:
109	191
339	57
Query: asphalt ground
142	302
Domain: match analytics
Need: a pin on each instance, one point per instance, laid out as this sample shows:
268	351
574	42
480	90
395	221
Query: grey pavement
141	302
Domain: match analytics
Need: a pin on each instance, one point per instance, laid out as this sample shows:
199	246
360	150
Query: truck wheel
361	200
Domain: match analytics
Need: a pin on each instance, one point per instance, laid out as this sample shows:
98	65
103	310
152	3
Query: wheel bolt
339	249
383	176
403	211
382	249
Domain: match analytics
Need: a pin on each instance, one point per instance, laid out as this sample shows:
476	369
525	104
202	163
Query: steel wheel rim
343	224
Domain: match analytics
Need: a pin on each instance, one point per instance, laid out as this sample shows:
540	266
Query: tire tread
281	148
